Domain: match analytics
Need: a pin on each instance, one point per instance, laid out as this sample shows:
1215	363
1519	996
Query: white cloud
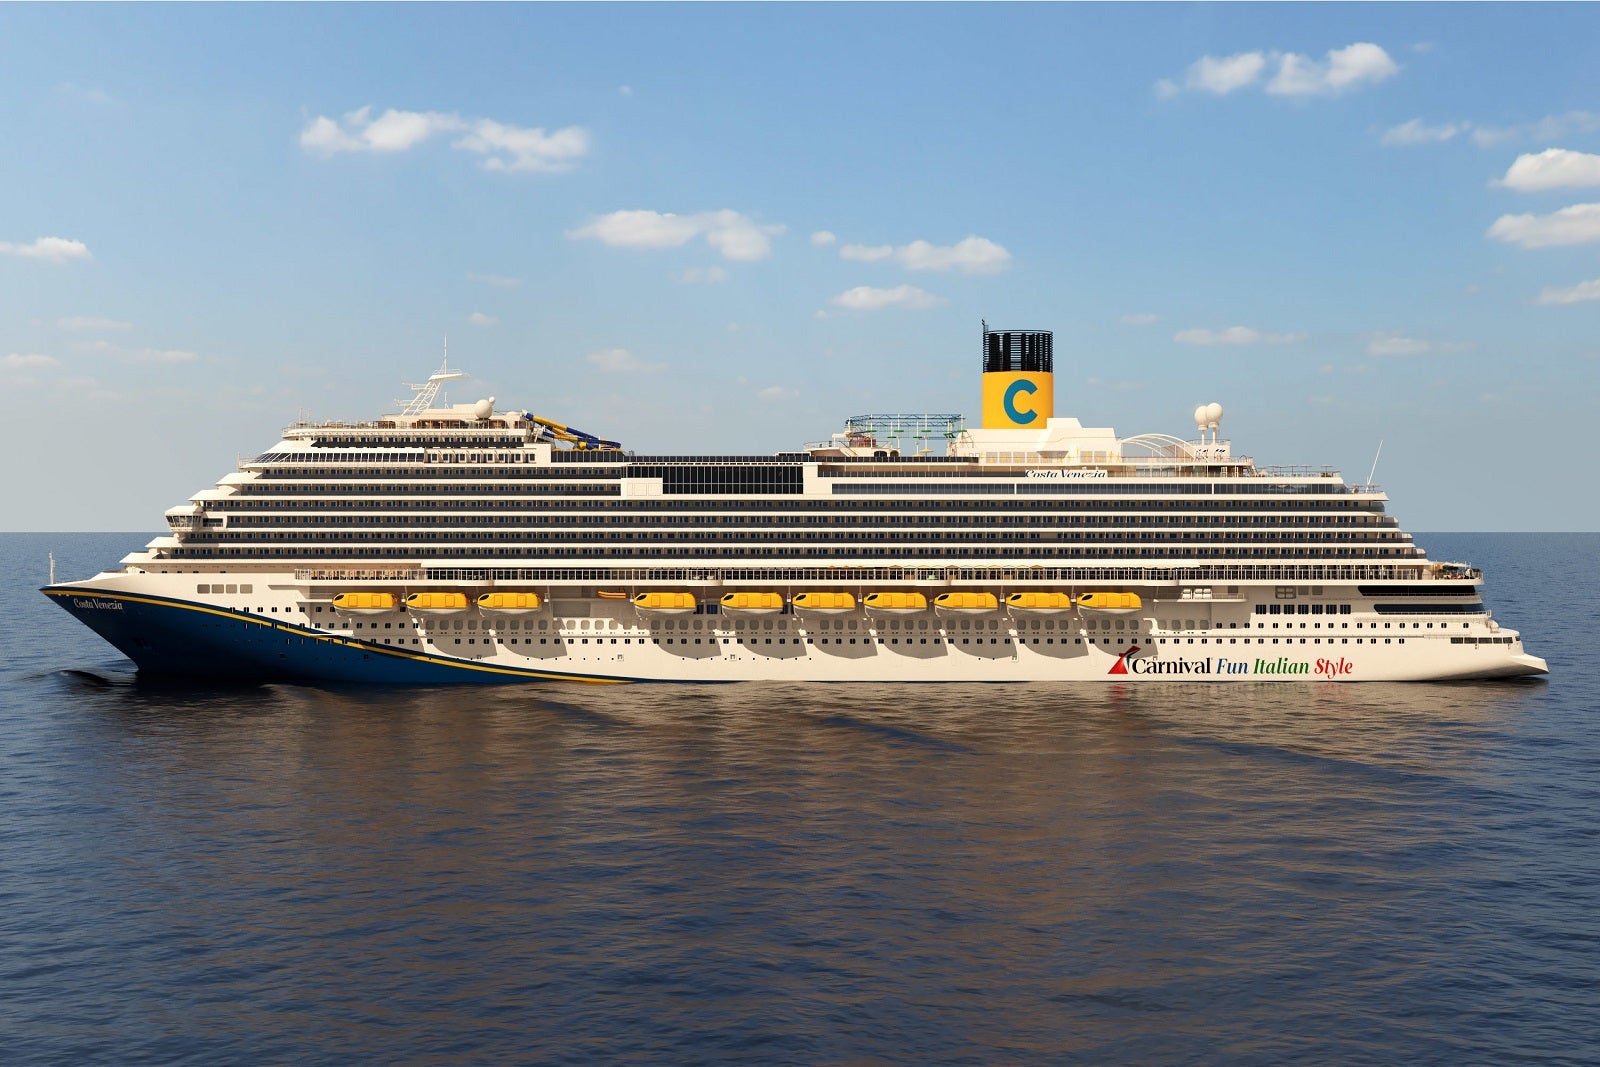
641	229
1390	344
505	147
866	253
1224	74
392	131
92	323
159	355
1235	335
736	236
137	355
1554	168
50	249
495	280
525	148
624	90
867	298
1341	70
27	361
823	238
478	318
739	238
1138	320
1577	294
970	255
776	392
1549	128
702	275
621	361
19	370
1578	224
1416	132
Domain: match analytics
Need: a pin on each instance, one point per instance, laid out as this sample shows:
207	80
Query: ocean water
1161	874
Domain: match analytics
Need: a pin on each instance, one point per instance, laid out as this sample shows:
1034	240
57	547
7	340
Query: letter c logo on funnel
1021	385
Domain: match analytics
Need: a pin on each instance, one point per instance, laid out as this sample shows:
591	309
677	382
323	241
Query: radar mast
429	392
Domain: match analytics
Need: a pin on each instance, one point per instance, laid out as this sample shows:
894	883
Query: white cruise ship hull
276	632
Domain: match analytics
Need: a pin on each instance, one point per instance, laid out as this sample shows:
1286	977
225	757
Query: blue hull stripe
168	636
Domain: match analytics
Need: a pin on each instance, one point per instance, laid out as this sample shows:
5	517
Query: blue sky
726	228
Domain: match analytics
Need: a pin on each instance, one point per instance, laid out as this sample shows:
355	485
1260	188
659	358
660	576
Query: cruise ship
470	543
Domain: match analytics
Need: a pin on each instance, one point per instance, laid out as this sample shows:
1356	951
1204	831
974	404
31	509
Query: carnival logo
1321	668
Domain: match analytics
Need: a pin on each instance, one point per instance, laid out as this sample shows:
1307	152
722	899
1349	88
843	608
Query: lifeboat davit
1109	603
436	603
665	603
827	603
1039	603
752	603
965	603
363	603
509	603
895	603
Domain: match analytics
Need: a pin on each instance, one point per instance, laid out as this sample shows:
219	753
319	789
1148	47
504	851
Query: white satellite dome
1213	414
1200	413
483	408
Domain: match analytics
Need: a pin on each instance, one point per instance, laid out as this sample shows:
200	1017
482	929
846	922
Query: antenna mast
429	391
1374	471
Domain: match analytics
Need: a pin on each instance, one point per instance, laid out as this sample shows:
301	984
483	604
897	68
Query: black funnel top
1017	350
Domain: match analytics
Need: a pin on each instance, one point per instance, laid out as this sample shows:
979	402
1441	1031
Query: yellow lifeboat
509	603
752	603
1109	603
436	603
965	603
827	603
895	603
665	603
363	603
1039	603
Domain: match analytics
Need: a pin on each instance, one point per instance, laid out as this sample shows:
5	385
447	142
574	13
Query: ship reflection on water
796	873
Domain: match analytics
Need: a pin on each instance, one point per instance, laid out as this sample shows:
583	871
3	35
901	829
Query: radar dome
483	408
1200	416
1213	413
